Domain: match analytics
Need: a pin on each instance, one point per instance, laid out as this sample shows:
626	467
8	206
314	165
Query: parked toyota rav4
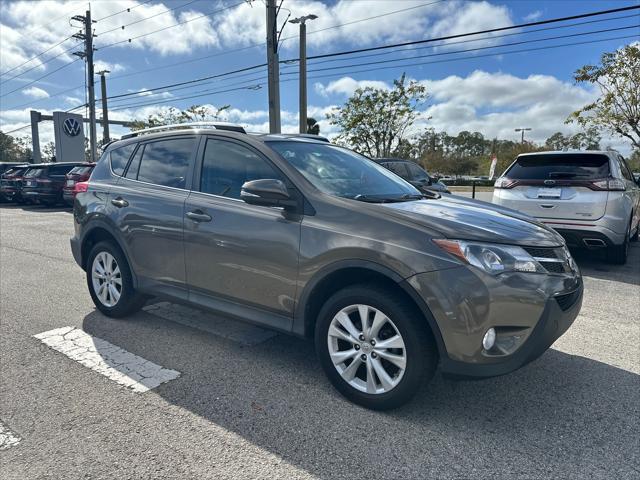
315	240
590	197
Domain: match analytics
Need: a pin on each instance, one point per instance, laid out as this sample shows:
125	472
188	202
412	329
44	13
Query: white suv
589	197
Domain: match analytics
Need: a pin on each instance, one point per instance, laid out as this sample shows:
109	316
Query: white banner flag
492	169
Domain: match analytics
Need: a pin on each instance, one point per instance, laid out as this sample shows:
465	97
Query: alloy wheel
106	279
367	349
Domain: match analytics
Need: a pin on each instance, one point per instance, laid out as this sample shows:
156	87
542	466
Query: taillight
504	182
81	187
610	184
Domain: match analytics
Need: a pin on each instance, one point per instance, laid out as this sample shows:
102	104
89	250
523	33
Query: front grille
542	252
557	258
568	300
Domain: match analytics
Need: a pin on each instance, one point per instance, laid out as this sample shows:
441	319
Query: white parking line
8	439
113	362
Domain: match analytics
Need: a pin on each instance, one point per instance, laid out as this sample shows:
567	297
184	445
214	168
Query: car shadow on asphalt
596	264
563	415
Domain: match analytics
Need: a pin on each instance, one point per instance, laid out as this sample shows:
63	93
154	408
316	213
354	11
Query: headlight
490	257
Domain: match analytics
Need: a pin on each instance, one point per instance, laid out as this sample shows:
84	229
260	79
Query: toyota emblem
71	127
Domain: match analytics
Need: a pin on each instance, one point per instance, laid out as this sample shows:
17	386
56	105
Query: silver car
591	198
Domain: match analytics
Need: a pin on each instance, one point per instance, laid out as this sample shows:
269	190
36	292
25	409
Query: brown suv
315	240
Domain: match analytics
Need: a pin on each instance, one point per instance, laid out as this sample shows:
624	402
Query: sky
491	83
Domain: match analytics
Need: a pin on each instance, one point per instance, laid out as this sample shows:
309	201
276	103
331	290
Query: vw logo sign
71	127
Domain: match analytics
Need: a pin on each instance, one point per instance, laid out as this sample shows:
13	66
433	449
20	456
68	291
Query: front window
341	172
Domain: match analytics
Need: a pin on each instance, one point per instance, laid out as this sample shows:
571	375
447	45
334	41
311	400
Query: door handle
119	202
198	216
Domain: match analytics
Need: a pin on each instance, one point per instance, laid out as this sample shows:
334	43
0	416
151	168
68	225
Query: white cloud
35	92
73	100
99	66
347	85
533	16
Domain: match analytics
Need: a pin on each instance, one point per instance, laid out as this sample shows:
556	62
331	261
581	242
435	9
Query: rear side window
80	170
398	168
227	166
416	172
166	162
559	166
58	170
119	157
34	172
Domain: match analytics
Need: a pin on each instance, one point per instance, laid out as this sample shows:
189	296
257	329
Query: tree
172	115
14	149
587	140
373	121
634	161
313	127
617	110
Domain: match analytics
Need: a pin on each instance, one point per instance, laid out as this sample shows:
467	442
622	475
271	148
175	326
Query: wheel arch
339	275
99	233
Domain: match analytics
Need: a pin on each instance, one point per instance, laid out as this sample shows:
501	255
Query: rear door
558	186
147	206
237	252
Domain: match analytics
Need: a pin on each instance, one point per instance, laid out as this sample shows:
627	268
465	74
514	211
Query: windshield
343	173
560	166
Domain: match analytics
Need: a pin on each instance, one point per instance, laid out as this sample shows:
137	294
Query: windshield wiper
381	199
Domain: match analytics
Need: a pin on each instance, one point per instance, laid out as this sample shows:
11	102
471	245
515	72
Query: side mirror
267	193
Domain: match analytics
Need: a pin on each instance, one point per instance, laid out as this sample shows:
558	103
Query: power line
480	39
468	34
522	42
16	129
38	55
169	10
125	10
172	26
42	63
366	19
40	78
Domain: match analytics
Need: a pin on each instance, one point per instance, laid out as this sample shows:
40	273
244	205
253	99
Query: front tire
375	348
110	281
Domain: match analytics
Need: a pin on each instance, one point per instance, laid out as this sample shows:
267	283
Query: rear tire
618	254
110	281
395	335
634	237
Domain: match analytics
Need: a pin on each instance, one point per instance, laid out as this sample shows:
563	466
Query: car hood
465	219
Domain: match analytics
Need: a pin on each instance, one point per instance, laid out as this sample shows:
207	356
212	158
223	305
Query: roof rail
234	127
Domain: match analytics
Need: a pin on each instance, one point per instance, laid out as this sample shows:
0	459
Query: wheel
634	237
373	347
110	282
618	253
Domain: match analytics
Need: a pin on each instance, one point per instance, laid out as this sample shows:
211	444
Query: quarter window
227	166
119	158
165	162
398	168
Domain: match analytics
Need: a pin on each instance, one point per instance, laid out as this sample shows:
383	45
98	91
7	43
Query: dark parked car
11	184
413	173
78	174
315	240
43	182
6	166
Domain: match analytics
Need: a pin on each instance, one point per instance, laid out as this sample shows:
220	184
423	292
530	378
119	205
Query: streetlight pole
303	68
273	67
105	113
522	130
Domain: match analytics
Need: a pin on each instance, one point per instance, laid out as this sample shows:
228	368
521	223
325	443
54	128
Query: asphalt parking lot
246	403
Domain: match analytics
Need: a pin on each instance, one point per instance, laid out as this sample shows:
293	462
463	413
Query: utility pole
303	68
522	130
273	67
87	36
105	115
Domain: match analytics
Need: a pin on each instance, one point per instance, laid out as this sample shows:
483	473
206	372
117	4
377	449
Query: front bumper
528	311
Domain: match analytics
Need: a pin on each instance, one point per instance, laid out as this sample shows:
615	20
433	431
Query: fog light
489	339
